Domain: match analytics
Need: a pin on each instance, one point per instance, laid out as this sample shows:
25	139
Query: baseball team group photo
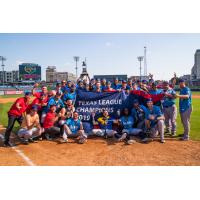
82	115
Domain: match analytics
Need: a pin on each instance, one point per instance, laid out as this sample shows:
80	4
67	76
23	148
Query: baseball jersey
127	122
74	125
139	113
167	101
52	101
184	104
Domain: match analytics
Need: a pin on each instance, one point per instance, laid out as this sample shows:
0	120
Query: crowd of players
51	114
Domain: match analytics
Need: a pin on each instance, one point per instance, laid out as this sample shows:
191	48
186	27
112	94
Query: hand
151	117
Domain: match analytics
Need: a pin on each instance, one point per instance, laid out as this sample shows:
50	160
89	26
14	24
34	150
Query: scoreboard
29	71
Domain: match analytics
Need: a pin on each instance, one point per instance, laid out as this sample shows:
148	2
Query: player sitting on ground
30	127
105	123
127	123
154	121
73	128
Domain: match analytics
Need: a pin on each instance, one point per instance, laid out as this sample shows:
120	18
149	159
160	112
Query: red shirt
38	102
38	95
110	90
49	120
18	112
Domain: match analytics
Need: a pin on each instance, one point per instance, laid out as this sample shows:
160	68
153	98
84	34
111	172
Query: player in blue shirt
127	122
116	84
73	128
169	108
138	114
154	121
185	108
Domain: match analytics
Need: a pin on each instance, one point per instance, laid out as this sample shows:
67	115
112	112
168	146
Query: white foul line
23	156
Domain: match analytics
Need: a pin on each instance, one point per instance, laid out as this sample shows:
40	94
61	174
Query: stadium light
140	59
76	59
2	65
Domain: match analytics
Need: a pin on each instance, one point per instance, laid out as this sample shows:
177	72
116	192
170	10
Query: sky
111	53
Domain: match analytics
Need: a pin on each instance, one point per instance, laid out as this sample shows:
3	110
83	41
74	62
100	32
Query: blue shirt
167	102
71	96
116	87
127	122
52	101
156	112
73	125
184	104
138	114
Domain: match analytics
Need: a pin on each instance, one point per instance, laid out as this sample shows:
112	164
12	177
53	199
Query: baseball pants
158	128
11	122
185	119
170	114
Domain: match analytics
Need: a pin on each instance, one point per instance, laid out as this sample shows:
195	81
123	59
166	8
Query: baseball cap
68	81
34	107
135	101
149	100
165	82
181	80
144	81
116	78
108	83
124	81
27	93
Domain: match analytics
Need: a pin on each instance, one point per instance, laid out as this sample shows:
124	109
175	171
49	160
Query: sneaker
31	140
63	140
130	142
25	142
145	140
7	144
162	141
184	139
123	137
173	134
82	140
48	137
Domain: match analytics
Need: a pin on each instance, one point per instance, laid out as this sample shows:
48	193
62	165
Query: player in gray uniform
185	106
169	108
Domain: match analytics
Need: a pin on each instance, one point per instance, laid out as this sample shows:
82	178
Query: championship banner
89	102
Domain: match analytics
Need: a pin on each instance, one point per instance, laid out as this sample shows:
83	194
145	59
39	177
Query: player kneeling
73	128
30	127
154	121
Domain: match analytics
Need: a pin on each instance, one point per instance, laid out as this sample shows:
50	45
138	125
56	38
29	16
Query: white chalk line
23	156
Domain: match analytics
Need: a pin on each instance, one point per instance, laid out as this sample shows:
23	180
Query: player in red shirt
16	114
49	123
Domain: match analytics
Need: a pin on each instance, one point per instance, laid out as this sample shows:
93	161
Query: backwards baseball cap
181	80
27	93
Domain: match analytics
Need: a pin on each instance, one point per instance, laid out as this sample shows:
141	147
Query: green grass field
11	96
195	123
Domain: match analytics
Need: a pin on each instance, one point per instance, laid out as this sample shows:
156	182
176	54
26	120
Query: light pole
140	59
76	59
2	65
